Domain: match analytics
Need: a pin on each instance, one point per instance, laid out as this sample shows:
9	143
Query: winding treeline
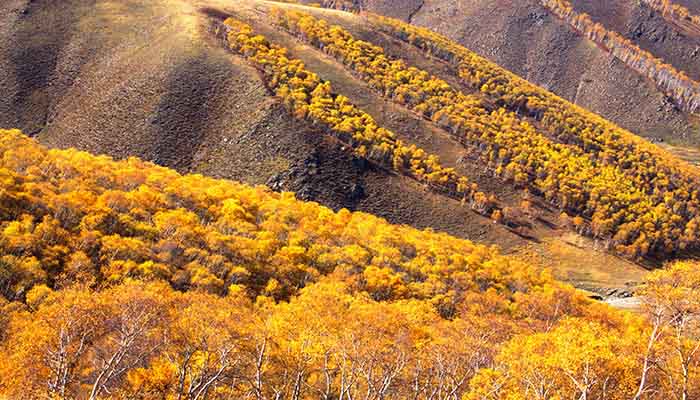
638	198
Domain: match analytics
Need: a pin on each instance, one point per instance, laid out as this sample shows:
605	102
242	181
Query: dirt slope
649	30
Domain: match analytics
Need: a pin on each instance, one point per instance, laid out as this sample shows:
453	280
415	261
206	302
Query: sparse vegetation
677	14
684	90
635	196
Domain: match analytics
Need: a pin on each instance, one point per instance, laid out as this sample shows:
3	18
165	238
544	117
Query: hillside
425	164
153	82
525	136
266	200
649	28
127	280
176	96
531	41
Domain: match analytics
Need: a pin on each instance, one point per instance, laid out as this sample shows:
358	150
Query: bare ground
525	38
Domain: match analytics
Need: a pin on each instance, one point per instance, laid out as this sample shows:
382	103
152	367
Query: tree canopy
121	279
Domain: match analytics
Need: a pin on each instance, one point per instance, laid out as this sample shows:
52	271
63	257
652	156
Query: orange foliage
158	285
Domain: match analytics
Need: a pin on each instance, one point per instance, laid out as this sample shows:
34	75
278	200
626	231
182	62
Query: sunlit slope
133	77
529	40
226	123
123	280
70	217
527	137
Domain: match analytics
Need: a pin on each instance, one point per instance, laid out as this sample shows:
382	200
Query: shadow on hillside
214	13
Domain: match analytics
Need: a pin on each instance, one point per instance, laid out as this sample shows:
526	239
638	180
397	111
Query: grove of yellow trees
639	199
124	280
309	97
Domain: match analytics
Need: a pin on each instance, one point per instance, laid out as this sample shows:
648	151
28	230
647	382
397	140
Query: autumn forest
122	278
127	280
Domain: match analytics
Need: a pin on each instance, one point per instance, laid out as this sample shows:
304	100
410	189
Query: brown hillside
649	30
525	38
150	80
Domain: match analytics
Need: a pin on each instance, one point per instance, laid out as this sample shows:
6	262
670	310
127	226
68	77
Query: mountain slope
123	280
193	106
527	39
650	30
526	136
153	82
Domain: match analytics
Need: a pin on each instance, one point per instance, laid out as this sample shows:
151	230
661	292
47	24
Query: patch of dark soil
182	113
214	13
45	27
330	175
258	151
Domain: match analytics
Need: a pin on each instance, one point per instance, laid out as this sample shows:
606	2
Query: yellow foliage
212	289
308	97
580	162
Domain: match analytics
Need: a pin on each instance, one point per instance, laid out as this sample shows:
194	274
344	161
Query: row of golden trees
560	119
637	197
677	14
124	280
309	97
684	90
